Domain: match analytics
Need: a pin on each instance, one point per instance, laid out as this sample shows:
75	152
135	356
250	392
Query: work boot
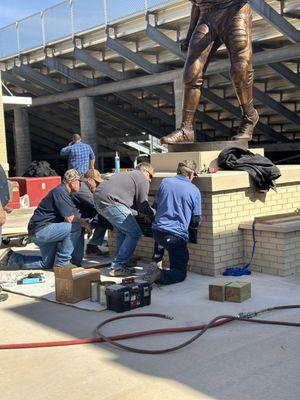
93	250
180	135
121	271
247	126
4	265
152	274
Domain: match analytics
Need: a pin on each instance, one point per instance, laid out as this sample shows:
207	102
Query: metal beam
100	66
142	105
261	58
265	129
121	114
7	76
135	58
69	73
275	19
157	36
42	80
286	73
274	105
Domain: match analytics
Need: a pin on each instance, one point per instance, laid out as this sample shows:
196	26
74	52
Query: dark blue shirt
79	156
84	202
57	205
177	200
4	192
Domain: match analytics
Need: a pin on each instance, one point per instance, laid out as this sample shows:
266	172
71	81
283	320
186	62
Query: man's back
126	188
177	199
79	156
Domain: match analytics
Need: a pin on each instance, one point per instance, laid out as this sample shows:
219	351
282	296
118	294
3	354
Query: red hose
12	346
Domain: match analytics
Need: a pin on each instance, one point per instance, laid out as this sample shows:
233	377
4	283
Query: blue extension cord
239	271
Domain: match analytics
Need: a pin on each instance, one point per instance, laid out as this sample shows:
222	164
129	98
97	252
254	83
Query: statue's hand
184	45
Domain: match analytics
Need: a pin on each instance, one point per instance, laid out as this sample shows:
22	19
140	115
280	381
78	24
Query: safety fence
67	19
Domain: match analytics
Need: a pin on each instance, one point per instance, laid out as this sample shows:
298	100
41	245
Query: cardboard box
73	284
217	290
238	291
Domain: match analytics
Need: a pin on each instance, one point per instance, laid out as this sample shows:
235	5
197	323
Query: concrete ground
238	361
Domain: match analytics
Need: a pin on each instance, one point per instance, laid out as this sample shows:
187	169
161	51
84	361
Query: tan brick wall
276	253
220	242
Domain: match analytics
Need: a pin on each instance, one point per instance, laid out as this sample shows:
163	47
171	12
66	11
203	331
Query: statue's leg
202	46
238	42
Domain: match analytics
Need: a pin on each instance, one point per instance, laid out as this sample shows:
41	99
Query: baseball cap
188	166
72	175
94	174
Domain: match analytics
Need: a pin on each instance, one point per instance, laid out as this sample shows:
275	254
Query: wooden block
238	291
217	290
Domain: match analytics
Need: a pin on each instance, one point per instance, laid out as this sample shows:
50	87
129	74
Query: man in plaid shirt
80	155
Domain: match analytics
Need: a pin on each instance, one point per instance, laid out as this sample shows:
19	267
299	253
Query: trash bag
39	169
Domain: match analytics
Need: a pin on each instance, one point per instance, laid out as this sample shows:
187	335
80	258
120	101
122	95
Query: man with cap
118	199
54	228
178	206
84	202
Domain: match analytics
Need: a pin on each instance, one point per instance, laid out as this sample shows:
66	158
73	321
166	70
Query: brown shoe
180	135
246	127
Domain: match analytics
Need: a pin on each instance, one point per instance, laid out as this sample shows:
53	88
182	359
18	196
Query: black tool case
127	296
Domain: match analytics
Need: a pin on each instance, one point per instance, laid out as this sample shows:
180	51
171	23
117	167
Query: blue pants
178	254
100	226
56	243
128	232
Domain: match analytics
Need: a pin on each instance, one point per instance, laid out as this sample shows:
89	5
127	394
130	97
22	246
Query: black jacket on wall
261	170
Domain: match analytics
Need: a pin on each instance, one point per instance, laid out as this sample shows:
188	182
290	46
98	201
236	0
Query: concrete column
101	164
88	124
22	140
3	149
178	100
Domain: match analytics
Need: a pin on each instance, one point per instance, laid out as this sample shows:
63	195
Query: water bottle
117	163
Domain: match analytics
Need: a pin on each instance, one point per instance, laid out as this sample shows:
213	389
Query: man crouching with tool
178	207
53	228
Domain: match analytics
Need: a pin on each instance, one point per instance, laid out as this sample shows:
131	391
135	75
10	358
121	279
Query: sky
13	10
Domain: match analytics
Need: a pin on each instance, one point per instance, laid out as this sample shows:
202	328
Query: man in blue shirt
54	228
178	205
80	155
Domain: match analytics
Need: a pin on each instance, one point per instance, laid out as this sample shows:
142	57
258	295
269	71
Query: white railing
67	19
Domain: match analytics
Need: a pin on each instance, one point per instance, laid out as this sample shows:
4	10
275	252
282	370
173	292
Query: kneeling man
53	228
178	206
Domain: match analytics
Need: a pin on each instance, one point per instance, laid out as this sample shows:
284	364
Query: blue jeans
178	254
128	232
100	226
56	242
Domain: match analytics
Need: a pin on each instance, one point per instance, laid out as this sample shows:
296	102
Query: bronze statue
212	23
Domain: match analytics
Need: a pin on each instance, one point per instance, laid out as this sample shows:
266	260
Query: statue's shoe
246	127
180	135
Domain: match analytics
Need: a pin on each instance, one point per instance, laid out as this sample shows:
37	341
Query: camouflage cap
72	175
187	166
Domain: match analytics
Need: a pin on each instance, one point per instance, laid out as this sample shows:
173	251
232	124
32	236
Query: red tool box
15	202
36	188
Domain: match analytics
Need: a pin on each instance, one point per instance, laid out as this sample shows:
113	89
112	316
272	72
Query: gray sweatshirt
127	188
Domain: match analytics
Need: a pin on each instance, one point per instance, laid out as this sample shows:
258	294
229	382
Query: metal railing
66	19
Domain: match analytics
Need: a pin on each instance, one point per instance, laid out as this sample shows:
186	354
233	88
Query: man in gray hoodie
117	199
